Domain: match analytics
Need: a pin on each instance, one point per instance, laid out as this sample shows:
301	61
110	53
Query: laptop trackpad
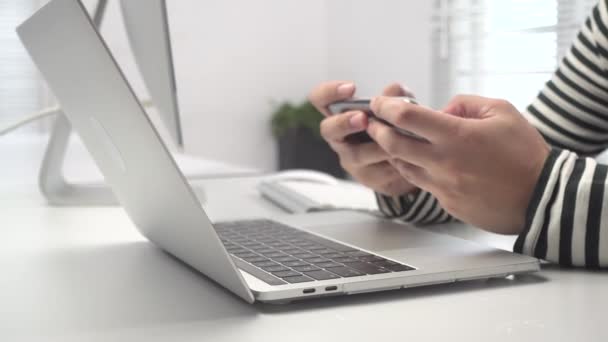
381	235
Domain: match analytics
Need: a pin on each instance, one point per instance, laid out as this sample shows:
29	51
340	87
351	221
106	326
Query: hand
482	162
367	163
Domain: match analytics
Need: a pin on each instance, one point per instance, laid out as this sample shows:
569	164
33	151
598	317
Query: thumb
329	92
396	89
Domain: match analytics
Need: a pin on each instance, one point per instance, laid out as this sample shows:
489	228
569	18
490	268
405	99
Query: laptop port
308	291
331	288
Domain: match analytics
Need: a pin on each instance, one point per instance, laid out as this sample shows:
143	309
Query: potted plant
297	130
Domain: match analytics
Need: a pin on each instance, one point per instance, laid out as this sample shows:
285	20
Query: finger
330	92
383	178
402	147
396	89
376	174
336	127
360	155
414	174
428	123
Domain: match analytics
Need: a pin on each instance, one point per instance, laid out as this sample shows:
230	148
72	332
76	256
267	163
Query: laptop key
305	255
244	255
370	258
334	255
306	268
358	254
272	255
345	271
249	243
285	258
344	259
283	274
385	263
323	251
295	263
304	243
321	275
275	268
275	243
292	250
318	247
237	250
317	260
298	279
255	259
265	263
367	268
328	264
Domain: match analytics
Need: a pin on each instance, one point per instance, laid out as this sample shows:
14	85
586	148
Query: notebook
301	195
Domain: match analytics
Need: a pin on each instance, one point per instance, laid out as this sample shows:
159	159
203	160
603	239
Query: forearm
419	208
567	219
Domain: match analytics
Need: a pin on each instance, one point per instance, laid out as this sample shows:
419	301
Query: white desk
86	274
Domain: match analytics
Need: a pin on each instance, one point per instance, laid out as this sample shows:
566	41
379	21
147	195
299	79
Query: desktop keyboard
279	254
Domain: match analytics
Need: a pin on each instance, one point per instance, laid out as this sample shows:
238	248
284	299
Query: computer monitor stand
51	179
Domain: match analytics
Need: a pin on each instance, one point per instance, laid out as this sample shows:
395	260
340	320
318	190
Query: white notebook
301	195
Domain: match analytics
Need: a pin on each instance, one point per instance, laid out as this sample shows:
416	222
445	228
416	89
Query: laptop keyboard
279	254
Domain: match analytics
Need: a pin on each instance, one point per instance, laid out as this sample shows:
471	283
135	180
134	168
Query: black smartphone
363	105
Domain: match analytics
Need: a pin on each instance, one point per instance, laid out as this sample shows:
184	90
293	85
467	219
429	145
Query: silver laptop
307	256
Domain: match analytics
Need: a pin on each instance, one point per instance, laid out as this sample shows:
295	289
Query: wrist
397	205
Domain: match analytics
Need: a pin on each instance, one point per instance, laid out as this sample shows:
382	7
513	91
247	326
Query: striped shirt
567	217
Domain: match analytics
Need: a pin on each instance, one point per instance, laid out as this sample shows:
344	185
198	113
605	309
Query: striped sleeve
417	208
567	218
571	111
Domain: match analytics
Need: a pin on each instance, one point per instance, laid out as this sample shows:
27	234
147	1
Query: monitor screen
147	27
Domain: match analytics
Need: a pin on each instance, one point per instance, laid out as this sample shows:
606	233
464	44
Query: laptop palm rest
429	252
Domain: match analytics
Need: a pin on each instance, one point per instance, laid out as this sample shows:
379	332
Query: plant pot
300	148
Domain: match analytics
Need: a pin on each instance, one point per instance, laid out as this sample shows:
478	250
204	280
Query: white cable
44	113
31	118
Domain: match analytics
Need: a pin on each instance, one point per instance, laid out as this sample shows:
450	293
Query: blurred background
238	61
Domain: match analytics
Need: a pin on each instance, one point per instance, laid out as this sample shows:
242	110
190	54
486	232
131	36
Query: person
489	165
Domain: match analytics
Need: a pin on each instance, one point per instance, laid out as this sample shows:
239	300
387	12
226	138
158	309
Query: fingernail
407	90
372	102
346	89
357	121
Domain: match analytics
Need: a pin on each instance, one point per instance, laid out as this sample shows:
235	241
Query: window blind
19	80
506	49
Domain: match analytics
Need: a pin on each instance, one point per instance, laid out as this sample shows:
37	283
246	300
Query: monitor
147	27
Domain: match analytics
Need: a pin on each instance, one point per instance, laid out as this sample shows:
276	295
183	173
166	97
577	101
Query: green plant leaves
290	116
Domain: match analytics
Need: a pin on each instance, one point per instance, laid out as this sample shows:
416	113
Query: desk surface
80	274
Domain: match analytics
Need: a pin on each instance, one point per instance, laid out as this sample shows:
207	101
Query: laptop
300	257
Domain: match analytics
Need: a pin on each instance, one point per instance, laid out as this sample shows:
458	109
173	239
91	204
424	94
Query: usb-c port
331	288
308	291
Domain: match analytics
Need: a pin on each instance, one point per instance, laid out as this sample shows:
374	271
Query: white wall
378	42
233	58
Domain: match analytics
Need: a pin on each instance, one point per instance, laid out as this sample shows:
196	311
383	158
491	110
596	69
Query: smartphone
364	106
